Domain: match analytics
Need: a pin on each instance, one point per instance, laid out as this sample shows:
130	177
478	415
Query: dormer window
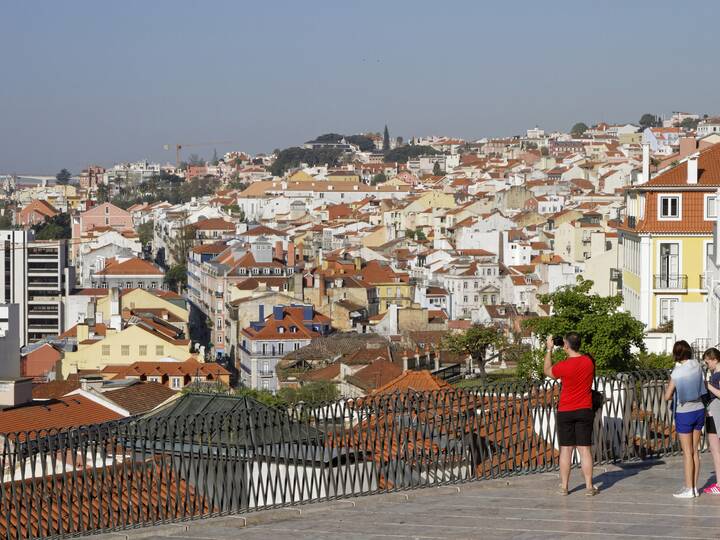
293	329
669	207
281	329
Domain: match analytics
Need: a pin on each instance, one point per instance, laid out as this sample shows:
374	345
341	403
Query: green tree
6	221
689	123
476	342
102	194
55	228
610	336
578	129
650	120
363	142
215	159
379	178
402	153
386	140
176	277
420	235
544	151
145	232
436	169
63	177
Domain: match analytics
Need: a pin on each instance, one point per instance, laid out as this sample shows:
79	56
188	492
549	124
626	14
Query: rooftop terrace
635	502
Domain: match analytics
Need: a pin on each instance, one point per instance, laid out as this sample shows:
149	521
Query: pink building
103	216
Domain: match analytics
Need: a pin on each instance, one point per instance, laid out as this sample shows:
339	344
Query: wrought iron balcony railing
671	281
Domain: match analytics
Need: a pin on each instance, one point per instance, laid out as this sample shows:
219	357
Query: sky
86	82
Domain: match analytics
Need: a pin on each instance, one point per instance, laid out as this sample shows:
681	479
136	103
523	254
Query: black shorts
575	428
710	425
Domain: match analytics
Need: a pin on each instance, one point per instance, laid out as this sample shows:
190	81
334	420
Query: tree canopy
379	178
402	153
293	157
689	123
63	177
578	129
176	277
386	139
650	120
476	342
56	228
436	169
145	232
608	335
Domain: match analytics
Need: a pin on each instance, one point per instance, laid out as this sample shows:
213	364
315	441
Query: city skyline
268	78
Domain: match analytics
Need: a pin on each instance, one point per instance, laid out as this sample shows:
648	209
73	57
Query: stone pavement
635	502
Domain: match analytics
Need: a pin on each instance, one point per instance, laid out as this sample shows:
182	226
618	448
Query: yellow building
666	240
389	287
167	305
145	340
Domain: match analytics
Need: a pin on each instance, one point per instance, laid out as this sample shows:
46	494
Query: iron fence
244	456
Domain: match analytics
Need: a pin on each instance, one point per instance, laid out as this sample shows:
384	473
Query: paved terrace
635	502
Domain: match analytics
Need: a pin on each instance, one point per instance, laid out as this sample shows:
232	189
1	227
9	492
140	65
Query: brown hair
712	353
681	351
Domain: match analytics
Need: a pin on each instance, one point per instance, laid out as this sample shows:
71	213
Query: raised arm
547	365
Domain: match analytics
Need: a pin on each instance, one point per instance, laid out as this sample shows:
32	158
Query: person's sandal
562	491
591	492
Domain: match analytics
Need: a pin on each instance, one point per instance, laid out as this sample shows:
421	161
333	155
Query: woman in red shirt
575	416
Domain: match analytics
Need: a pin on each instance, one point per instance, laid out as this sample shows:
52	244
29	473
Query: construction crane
180	146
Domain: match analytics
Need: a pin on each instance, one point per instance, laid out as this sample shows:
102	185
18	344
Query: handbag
597	400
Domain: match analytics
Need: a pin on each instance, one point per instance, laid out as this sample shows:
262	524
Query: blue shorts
687	422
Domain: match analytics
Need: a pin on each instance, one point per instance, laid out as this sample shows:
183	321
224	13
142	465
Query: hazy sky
99	82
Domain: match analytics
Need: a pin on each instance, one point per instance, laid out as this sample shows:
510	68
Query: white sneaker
685	493
696	491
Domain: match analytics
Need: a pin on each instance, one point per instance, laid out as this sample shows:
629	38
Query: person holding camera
575	415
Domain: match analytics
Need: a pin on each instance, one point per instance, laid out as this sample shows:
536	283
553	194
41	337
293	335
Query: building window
266	368
710	207
142	349
669	207
125	350
667	310
176	383
266	383
106	350
128	284
159	350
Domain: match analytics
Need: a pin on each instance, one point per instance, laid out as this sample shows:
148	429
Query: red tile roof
708	171
214	224
64	412
413	381
132	266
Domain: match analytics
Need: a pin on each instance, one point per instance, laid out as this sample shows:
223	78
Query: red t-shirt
576	374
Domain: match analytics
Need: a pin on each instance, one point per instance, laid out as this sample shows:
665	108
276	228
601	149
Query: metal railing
166	468
671	281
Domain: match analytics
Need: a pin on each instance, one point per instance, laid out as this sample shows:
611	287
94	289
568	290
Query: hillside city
352	265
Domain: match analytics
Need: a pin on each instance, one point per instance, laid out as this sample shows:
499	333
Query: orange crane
180	146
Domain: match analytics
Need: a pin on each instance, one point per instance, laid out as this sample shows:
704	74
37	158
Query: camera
558	341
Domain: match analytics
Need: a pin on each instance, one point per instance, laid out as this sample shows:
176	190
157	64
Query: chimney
15	391
83	332
688	145
645	163
300	251
278	250
321	292
692	169
114	301
91	382
358	263
291	254
437	359
405	362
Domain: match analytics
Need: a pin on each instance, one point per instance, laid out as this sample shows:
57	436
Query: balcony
705	281
672	282
631	222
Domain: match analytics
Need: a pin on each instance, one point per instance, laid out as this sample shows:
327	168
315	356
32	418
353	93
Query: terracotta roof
216	248
132	266
708	171
413	381
189	367
55	389
214	224
262	230
693	216
377	374
64	412
141	397
153	480
327	373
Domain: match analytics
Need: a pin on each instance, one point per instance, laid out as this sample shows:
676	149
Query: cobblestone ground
635	502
